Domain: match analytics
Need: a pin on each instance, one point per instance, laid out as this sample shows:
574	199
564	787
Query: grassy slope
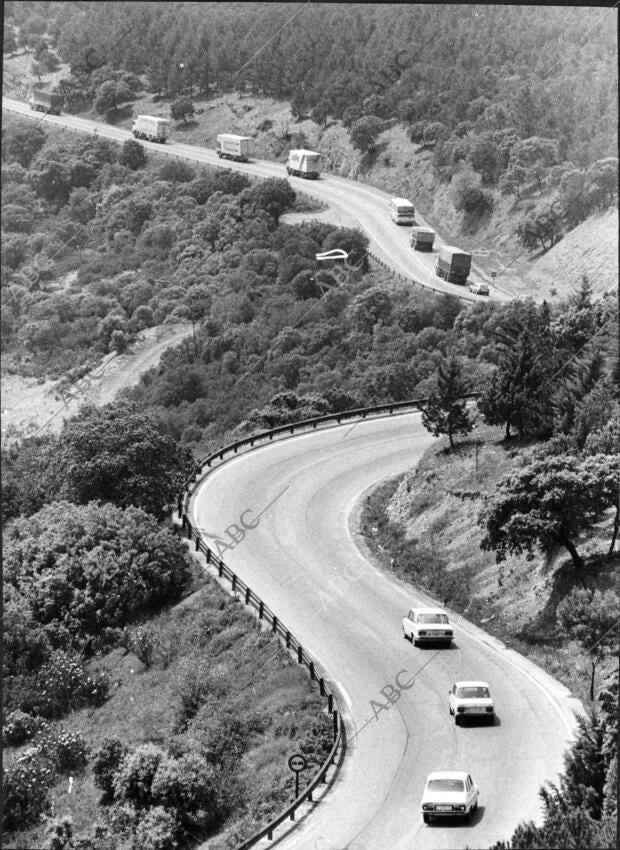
211	633
439	502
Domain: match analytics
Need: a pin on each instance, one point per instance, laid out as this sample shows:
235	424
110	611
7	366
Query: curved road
302	560
357	204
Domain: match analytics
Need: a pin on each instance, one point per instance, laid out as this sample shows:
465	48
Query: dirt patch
31	405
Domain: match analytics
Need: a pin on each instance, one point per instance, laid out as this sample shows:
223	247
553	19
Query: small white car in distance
471	699
479	288
427	625
449	793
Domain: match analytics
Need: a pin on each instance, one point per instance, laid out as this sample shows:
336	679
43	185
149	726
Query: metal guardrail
252	599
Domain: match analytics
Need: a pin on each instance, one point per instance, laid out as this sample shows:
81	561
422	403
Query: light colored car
449	793
427	625
479	288
471	699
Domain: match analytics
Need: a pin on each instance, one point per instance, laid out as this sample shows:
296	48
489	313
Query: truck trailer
303	163
422	238
46	101
151	128
239	148
453	264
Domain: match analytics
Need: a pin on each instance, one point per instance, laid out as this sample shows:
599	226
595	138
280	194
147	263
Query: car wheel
426	818
457	720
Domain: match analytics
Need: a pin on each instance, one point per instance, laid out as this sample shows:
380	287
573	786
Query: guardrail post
247	595
300	655
330	703
311	665
274	624
220	569
234	582
208	556
288	640
322	687
189	531
335	719
260	610
197	543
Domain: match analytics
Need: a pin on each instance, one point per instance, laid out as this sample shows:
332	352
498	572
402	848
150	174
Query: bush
176	172
157	830
63	684
133	155
24	788
105	764
20	727
467	194
66	751
133	780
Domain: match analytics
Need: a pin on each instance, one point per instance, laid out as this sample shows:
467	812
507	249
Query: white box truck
402	211
151	128
302	163
239	148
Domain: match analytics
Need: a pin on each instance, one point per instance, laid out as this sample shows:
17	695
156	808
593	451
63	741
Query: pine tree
446	411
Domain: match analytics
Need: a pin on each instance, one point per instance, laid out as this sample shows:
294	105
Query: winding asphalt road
301	558
356	204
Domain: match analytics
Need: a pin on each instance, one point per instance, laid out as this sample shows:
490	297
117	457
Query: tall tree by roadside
446	411
119	454
519	393
549	503
590	618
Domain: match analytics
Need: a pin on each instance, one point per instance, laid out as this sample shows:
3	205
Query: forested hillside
516	106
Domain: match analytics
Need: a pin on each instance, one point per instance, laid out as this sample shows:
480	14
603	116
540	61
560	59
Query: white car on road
449	793
427	625
471	699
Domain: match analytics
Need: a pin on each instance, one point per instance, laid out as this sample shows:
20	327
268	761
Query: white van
402	211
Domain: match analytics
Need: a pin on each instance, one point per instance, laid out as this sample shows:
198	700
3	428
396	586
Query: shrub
176	172
64	684
25	785
142	644
20	727
157	830
106	761
133	780
133	155
66	751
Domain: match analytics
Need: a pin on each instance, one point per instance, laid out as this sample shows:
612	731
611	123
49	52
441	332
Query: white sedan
449	793
427	625
471	699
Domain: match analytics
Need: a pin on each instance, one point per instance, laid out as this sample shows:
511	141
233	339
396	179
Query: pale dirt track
28	405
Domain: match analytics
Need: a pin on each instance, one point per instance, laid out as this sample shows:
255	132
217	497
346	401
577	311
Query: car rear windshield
446	785
432	618
472	693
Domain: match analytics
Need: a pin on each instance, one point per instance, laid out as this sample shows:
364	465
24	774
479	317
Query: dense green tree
21	141
591	618
118	454
365	131
549	502
519	391
133	155
181	109
85	569
446	410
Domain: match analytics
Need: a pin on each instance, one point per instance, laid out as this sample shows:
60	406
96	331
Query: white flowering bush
20	727
25	785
